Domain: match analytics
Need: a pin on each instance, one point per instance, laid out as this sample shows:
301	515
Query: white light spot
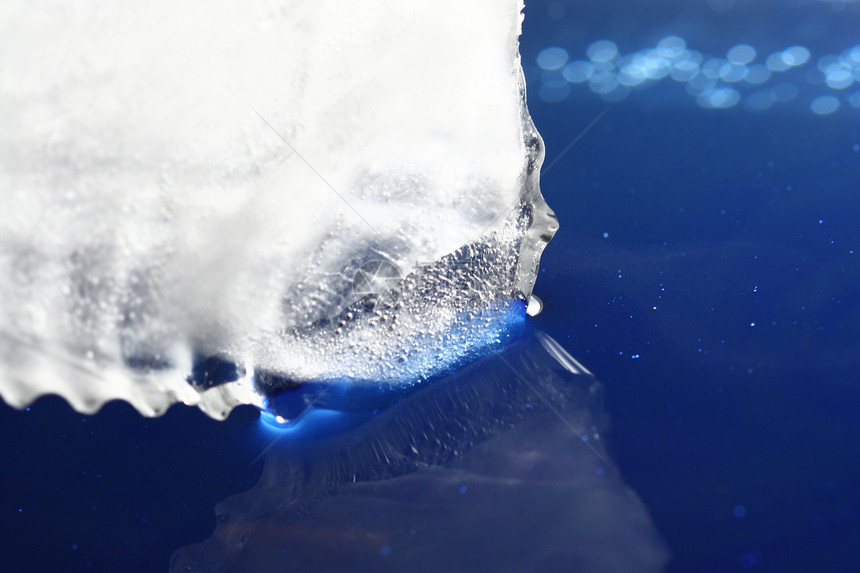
795	56
552	58
671	46
656	66
603	82
684	70
534	306
838	77
733	72
602	51
631	75
578	71
776	63
720	98
741	54
824	105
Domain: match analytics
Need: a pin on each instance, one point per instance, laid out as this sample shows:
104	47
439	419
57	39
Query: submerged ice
418	485
209	179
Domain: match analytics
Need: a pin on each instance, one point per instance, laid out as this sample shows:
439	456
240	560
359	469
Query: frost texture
208	178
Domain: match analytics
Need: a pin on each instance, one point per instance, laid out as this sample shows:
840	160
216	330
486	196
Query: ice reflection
500	466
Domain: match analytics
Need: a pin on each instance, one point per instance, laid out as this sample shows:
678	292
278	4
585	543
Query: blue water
705	271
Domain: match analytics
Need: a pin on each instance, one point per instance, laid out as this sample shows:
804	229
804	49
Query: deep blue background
715	220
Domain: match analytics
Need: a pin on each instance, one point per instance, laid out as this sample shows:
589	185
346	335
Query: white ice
205	177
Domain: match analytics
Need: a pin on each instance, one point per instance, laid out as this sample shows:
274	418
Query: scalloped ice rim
149	220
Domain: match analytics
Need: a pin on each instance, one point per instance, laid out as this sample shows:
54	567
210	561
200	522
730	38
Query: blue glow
320	408
315	423
274	422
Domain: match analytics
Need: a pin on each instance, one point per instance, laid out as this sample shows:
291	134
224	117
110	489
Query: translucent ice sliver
191	179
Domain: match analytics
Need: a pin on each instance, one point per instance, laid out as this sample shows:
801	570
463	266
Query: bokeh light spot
824	105
552	58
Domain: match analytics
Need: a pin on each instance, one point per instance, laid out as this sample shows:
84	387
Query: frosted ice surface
213	178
